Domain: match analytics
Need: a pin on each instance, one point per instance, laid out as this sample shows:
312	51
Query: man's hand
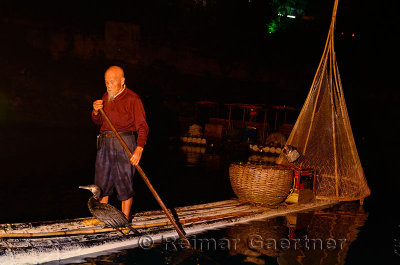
98	104
137	154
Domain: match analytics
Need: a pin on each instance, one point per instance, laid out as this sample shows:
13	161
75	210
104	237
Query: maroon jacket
126	113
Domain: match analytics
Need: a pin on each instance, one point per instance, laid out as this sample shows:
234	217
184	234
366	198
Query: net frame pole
323	58
332	57
311	92
333	118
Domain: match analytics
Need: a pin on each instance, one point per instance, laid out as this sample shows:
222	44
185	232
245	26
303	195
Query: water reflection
199	156
255	240
193	153
320	237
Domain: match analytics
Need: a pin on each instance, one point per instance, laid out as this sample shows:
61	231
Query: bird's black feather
110	215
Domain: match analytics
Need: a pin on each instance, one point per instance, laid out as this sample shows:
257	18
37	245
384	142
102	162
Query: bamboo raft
38	242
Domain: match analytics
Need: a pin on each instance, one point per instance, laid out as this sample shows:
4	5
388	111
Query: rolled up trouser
113	168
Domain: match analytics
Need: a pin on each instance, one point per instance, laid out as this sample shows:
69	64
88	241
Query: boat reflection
255	240
198	156
319	237
193	153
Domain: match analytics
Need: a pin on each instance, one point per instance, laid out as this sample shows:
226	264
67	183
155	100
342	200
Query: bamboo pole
324	54
331	69
107	230
331	85
147	181
308	99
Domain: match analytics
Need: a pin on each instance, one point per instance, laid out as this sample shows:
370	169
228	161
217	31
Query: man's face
114	82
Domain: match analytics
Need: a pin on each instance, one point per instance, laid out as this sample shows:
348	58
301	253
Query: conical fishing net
323	135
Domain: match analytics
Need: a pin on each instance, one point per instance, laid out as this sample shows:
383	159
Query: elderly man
125	110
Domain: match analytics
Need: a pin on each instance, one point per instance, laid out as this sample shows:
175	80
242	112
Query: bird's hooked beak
85	187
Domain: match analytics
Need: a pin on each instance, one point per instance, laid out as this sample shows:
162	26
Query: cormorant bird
107	213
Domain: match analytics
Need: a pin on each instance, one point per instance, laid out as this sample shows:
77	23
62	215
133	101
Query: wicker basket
260	183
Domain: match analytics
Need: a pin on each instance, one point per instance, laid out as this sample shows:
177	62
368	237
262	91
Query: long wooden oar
146	180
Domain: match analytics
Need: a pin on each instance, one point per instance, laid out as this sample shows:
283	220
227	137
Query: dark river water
41	169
